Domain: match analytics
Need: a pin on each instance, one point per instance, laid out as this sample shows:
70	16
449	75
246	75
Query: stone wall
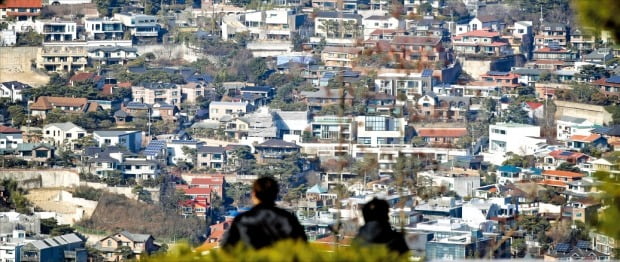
597	114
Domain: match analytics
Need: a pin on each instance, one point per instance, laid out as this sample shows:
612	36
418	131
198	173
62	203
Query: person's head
265	191
376	210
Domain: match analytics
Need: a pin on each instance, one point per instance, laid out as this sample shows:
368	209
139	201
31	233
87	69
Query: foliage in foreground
283	251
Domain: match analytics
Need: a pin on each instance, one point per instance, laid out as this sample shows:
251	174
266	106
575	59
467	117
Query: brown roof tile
47	102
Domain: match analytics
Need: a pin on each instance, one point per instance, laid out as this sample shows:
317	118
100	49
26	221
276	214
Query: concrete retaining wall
46	178
594	113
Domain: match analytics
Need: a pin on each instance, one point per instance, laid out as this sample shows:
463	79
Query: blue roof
154	147
509	169
427	73
613	79
317	189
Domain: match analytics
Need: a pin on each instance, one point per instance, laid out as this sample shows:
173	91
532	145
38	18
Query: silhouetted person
264	224
377	228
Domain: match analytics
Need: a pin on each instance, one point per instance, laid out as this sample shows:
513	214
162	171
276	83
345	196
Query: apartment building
337	28
217	110
62	58
418	48
551	33
151	93
411	84
340	56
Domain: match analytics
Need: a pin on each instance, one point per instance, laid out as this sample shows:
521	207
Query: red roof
207	181
81	77
197	191
560	173
9	130
555	183
384	31
590	138
22	4
479	33
549	50
442	132
533	105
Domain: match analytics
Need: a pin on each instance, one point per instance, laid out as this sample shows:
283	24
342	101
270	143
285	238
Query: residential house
326	96
103	161
520	139
583	40
340	56
13	90
177	150
140	168
20	10
508	174
333	129
557	157
9	139
382	104
82	77
217	110
375	131
140	245
551	34
139	25
291	123
275	149
568	126
462	182
201	195
506	80
64	136
103	29
528	76
69	247
609	86
554	53
603	243
112	55
164	111
442	137
440	207
481	22
598	56
478	212
557	178
534	110
35	152
56	30
211	157
582	250
192	90
337	28
375	22
481	42
580	142
418	48
253	128
130	139
214	182
67	105
62	58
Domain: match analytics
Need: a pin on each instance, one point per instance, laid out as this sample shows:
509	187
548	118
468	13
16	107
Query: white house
176	153
10	138
569	126
375	131
462	182
337	28
374	22
520	139
130	139
139	25
411	84
111	55
104	28
486	22
291	122
13	90
56	30
63	135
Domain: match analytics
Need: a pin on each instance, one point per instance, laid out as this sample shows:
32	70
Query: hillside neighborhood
491	127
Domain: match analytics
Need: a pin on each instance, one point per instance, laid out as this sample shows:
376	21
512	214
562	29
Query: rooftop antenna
541	15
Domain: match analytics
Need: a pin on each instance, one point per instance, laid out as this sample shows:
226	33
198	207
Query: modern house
337	28
56	30
130	139
10	138
112	55
62	58
481	42
520	139
211	157
217	110
139	25
446	137
13	90
557	178
276	149
104	28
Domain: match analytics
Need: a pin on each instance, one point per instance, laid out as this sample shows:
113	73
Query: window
375	123
68	135
109	242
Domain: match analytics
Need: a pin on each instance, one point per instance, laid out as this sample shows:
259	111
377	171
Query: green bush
283	251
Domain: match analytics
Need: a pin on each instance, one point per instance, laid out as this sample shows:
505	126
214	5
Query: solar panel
583	244
562	247
566	153
427	73
613	80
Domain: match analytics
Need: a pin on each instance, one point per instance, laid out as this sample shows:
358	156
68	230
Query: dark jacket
262	226
375	232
